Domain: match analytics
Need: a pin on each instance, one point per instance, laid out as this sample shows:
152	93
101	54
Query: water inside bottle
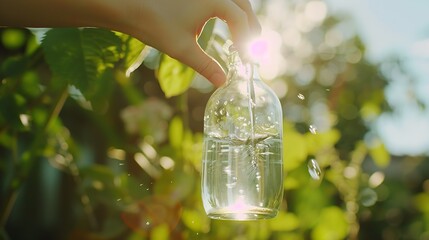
244	173
244	177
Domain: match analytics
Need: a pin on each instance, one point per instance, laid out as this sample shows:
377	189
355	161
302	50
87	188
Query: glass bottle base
249	214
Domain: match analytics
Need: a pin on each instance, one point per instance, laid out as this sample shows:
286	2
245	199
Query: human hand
172	26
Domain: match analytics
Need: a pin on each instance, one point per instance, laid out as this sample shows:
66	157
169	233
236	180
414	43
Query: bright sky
397	27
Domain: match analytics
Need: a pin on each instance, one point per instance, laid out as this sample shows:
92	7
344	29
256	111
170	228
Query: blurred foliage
100	138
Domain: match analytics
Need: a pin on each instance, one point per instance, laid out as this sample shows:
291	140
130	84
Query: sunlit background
123	158
388	30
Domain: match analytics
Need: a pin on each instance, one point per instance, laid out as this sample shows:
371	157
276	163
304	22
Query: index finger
241	20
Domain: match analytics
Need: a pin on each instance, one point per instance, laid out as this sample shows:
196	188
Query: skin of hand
171	26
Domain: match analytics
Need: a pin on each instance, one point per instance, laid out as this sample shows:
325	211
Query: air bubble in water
314	169
312	129
301	96
231	185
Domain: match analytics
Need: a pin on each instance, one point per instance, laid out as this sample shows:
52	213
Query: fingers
253	21
243	25
241	20
197	59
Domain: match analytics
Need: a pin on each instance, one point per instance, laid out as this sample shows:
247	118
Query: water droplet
147	189
314	169
313	129
141	184
119	199
301	96
368	197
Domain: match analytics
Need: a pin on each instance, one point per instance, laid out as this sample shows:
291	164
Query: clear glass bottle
242	173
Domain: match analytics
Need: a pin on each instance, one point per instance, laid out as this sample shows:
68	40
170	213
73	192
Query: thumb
197	59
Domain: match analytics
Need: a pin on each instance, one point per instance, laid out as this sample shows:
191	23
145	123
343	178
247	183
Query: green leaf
175	132
321	141
421	201
13	66
196	220
102	90
13	38
173	76
30	84
284	222
192	148
133	51
160	232
294	149
380	155
80	56
332	225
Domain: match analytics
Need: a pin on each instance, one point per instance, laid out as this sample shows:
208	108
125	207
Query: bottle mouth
245	58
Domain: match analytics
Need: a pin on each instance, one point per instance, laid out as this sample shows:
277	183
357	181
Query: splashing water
312	129
314	169
301	96
251	99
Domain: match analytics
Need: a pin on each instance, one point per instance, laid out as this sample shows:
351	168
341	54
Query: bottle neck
237	69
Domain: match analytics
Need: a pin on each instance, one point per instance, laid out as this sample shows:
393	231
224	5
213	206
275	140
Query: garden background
101	136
